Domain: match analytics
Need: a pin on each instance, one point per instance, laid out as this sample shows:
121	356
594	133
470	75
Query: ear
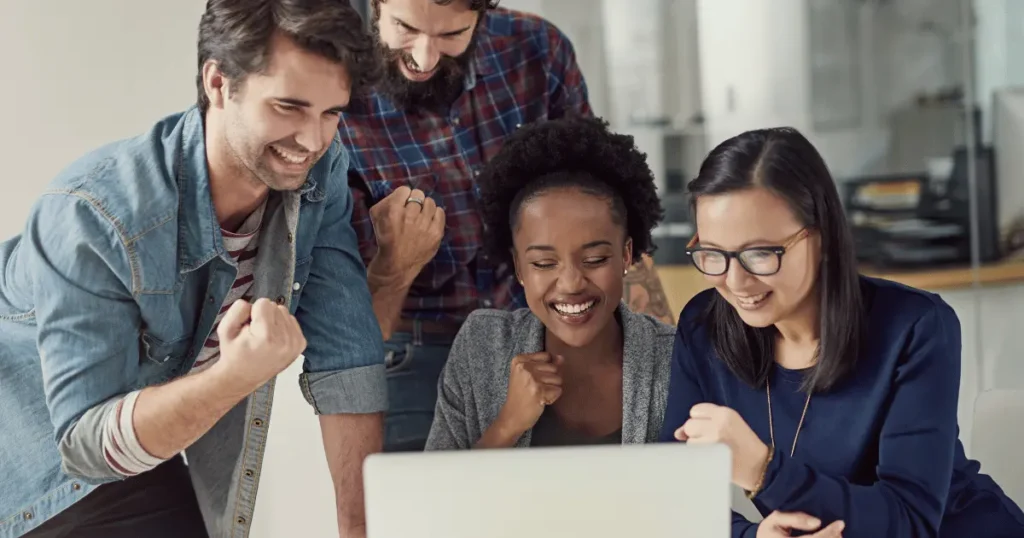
627	253
215	84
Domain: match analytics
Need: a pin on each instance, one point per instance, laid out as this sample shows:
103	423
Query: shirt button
455	121
518	125
249	473
290	238
257	422
27	515
487	303
279	300
296	286
76	486
476	172
240	520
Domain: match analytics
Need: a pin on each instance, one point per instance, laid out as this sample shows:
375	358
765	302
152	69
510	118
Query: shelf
682	282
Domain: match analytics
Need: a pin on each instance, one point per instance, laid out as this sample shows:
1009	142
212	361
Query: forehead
566	217
295	73
428	16
733	219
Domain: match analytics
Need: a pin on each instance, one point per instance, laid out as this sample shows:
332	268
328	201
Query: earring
625	272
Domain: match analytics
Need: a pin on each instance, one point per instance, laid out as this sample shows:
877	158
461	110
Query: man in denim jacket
162	282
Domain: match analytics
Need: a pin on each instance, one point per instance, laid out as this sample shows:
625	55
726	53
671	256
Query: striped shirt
121	447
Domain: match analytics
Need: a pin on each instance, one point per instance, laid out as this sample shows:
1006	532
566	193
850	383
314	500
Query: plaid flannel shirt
523	70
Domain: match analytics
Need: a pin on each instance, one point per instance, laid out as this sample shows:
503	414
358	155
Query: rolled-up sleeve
88	323
344	367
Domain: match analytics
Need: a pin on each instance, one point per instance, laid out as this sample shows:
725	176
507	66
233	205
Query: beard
435	94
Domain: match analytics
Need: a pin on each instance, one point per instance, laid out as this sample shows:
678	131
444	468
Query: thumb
234	320
558	360
796	520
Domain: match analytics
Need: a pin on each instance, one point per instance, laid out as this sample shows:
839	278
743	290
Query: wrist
232	385
502	433
384	271
755	471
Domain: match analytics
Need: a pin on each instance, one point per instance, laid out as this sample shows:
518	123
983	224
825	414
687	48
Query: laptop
654	491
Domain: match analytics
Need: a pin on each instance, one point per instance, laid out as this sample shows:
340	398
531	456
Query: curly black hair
569	152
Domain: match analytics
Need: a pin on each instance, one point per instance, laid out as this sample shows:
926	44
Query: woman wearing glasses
837	393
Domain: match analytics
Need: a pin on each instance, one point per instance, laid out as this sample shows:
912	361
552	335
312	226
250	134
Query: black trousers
159	503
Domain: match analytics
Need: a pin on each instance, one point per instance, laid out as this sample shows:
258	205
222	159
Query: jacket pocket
159	352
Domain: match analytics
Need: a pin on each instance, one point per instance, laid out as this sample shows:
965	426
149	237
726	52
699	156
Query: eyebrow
590	245
306	104
412	28
748	244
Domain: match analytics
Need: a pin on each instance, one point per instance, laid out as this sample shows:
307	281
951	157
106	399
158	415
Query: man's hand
257	342
780	524
409	227
710	423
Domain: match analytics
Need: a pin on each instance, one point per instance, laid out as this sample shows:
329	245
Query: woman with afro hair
570	205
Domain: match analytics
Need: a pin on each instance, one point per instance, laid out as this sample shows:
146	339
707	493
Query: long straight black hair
783	161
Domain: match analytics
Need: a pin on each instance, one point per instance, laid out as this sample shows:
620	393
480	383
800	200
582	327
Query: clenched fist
780	524
257	342
534	382
409	227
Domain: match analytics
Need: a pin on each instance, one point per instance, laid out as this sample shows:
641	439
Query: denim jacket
115	284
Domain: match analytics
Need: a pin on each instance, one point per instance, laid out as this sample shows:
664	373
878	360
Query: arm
104	432
343	373
449	430
567	89
387	289
643	291
684	392
915	448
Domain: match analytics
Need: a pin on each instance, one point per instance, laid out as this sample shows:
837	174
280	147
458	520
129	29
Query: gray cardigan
474	383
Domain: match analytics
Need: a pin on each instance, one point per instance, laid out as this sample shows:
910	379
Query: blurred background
916	105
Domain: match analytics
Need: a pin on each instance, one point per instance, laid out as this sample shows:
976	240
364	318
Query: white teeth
574	308
751	300
289	156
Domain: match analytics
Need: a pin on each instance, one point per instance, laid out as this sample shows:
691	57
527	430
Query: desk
682	282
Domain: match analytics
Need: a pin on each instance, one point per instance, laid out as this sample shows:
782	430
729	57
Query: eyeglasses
760	261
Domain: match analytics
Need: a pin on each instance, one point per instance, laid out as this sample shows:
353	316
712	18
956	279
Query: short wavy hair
572	152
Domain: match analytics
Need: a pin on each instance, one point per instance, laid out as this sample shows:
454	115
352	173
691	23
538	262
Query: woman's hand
534	382
710	423
781	524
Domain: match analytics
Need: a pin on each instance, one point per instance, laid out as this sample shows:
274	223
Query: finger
680	434
437	222
550	379
426	214
234	319
835	530
413	209
540	356
795	520
558	360
399	195
543	368
695	428
705	410
550	394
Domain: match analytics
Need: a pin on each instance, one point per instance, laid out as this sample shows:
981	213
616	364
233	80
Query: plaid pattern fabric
524	70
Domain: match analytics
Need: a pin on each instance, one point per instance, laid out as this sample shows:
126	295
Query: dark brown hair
475	5
237	33
783	161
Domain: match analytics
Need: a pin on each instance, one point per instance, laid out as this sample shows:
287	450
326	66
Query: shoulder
658	332
895	311
693	318
528	33
493	329
131	183
332	170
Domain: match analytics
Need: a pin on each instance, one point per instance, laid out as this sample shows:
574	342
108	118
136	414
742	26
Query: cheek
453	47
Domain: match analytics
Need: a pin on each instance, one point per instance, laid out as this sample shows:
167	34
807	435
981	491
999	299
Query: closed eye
542	265
593	262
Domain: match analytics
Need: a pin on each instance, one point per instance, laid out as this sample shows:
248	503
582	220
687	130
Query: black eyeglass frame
778	250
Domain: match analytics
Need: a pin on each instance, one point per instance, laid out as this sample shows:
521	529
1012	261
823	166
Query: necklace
771	425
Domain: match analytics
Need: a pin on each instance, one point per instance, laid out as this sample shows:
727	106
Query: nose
737	277
425	53
311	135
571	280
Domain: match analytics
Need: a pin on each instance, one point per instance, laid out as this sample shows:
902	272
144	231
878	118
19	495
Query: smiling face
427	47
570	254
756	217
274	126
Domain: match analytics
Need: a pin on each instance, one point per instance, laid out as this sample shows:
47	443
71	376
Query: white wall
81	74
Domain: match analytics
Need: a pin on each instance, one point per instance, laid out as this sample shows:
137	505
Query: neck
604	350
233	189
799	335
